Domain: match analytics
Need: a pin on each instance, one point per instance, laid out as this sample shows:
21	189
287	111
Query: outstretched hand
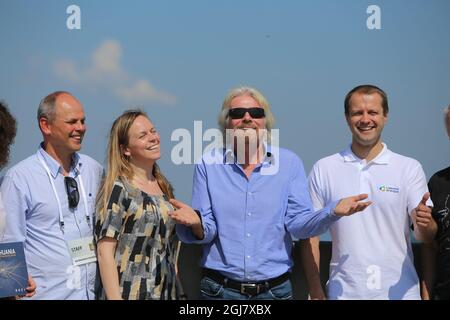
351	205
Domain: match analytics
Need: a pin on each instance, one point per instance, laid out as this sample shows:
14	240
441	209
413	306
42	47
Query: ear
347	118
125	150
45	126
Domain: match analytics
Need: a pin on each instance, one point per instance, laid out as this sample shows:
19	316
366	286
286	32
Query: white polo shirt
371	256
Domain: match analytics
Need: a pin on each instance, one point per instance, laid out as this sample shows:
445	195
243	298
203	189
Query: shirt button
249	214
249	193
248	235
248	257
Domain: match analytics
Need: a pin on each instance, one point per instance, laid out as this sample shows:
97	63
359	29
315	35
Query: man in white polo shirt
371	256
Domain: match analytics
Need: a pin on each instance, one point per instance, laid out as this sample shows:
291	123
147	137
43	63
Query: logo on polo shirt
389	189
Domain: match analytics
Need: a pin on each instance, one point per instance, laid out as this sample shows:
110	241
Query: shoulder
119	190
328	161
90	163
285	155
284	159
24	168
443	174
404	162
331	159
118	183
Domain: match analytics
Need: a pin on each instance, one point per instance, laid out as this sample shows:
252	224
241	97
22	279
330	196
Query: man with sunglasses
49	202
251	197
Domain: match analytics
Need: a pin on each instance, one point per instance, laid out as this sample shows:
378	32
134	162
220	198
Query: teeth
152	147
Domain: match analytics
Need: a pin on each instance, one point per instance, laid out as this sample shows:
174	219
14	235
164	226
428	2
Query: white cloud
143	91
105	71
66	69
105	64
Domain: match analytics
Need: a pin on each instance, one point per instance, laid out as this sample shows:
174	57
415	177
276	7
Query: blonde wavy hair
119	164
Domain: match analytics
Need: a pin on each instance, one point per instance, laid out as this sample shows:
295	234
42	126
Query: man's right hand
31	288
184	214
351	205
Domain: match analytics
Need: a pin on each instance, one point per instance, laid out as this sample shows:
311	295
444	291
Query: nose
365	117
153	136
79	126
247	117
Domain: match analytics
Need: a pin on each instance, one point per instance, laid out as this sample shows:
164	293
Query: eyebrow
145	131
75	119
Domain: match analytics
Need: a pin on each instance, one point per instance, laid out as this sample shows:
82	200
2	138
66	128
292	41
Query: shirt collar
381	158
54	165
229	156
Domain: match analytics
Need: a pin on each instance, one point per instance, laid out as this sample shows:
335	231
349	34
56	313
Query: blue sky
178	59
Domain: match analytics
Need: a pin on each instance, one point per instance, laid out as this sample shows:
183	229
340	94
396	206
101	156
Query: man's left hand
422	213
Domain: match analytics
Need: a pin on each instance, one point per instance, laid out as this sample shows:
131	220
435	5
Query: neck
367	153
63	158
252	157
142	173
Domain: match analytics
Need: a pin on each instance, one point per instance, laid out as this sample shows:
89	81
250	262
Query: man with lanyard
251	197
49	201
372	256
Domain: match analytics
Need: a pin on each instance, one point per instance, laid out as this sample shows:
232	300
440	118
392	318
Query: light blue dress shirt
248	222
32	216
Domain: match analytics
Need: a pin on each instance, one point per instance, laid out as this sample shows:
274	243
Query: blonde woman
136	239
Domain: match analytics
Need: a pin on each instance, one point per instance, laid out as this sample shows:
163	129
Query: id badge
82	251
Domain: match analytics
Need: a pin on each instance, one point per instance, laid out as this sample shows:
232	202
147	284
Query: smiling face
66	131
366	119
143	147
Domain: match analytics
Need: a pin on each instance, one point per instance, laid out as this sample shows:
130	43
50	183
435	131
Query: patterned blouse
147	244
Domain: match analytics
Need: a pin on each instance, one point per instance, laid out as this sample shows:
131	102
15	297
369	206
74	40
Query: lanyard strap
61	218
86	211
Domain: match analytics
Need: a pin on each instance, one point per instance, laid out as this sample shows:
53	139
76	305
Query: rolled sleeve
111	225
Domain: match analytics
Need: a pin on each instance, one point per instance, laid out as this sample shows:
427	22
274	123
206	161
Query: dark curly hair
7	133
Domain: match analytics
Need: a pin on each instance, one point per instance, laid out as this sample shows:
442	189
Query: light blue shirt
248	222
32	217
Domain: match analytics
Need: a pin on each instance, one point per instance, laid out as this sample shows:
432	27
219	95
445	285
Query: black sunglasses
239	113
73	195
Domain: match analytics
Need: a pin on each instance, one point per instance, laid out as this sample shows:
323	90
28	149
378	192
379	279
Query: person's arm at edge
310	256
428	262
106	249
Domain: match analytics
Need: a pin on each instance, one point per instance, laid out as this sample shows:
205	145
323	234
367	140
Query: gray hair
47	106
245	91
446	111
